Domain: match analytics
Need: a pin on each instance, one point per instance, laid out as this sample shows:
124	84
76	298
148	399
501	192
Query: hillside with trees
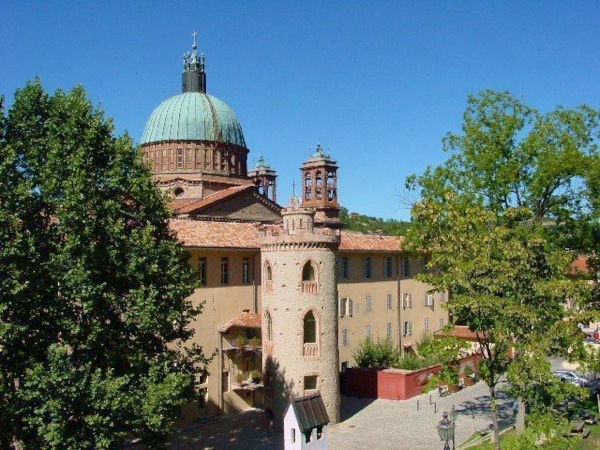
372	225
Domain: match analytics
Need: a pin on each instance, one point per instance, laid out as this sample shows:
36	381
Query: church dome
193	116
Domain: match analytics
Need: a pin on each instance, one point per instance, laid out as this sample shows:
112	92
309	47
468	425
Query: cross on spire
194	34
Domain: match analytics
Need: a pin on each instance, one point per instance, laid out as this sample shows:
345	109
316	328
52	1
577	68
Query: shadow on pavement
351	406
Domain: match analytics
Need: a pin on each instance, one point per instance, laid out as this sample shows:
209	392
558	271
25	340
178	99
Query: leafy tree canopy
494	221
93	285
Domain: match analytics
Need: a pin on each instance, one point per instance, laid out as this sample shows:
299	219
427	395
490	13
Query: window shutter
349	306
342	303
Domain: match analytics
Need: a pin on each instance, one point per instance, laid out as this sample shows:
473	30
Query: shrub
376	355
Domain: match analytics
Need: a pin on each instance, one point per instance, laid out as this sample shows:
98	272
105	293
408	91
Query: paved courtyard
366	424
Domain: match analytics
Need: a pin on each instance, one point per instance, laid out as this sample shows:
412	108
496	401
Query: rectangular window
368	304
426	324
293	435
406	300
367	267
368	332
224	270
388	331
387	267
180	158
407	328
225	381
405	267
202	397
429	300
442	297
245	270
345	337
343	308
344	267
310	383
202	271
388	301
441	323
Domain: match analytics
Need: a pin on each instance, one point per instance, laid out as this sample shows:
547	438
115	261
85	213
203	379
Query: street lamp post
446	430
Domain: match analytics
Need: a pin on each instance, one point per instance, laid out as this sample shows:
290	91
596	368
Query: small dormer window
178	192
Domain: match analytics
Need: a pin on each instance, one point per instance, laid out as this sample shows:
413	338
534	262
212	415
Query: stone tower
299	325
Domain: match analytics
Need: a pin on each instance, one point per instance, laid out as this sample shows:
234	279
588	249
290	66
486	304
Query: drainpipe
220	374
399	301
254	286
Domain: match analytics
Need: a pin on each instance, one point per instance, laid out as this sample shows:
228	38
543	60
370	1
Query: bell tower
319	187
264	179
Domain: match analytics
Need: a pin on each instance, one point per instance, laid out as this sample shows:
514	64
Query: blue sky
377	83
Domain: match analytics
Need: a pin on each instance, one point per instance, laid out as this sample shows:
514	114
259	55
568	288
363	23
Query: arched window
268	326
311	332
319	185
307	187
268	277
308	272
309	279
310	328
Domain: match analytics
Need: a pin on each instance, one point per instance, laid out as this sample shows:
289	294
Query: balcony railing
311	349
268	287
268	346
309	287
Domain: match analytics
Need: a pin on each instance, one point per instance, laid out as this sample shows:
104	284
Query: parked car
571	377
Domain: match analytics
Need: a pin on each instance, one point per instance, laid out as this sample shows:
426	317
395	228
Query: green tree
380	354
93	284
494	220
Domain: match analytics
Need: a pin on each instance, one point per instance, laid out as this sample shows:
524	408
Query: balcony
241	343
309	287
311	349
268	287
268	346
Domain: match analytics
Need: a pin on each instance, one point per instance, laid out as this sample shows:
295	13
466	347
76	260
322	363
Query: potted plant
240	377
241	341
255	341
256	376
449	374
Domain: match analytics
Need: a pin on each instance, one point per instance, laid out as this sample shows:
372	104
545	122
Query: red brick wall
392	384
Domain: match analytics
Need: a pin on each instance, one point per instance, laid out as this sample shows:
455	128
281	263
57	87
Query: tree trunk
494	411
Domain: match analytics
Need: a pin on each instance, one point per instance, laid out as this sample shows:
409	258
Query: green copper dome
193	116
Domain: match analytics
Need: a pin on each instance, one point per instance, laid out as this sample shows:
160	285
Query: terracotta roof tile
579	266
459	331
245	319
179	203
352	241
213	234
230	234
211	199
